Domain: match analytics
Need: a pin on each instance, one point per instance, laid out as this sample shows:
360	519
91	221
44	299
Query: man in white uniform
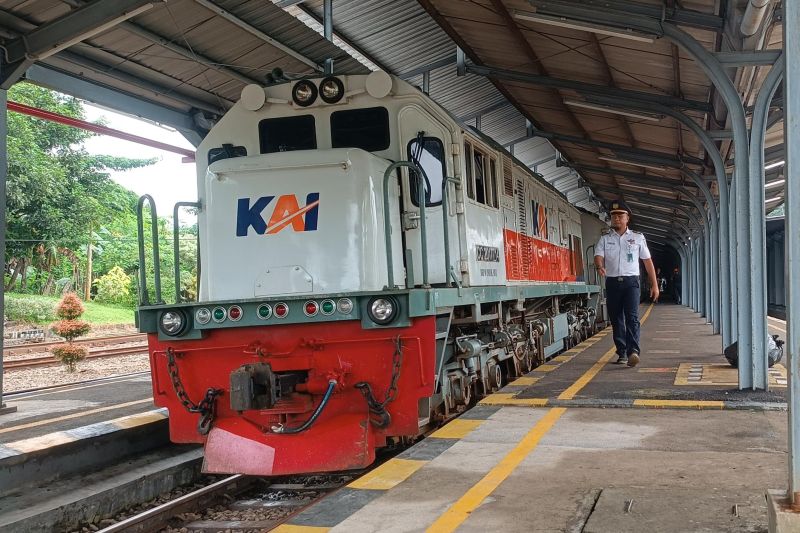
617	256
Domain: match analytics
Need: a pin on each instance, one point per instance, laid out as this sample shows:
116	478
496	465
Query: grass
37	309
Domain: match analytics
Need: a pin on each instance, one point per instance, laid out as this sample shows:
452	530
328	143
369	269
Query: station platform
583	445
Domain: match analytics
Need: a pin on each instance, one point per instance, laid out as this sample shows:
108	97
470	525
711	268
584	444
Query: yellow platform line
456	429
503	398
74	415
697	404
545	368
525	381
589	375
470	501
389	474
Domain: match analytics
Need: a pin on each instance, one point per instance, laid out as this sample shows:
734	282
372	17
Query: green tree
57	192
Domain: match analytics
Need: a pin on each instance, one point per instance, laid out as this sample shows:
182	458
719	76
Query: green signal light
219	314
328	307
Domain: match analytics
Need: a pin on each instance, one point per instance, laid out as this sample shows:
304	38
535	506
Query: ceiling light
768	200
607	109
774	165
564	22
772	184
632	163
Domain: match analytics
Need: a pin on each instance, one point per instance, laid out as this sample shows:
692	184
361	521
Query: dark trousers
622	301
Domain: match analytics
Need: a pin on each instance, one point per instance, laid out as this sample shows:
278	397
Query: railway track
45	360
235	503
35	347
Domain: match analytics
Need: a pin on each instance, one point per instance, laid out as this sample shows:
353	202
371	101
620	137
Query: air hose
280	428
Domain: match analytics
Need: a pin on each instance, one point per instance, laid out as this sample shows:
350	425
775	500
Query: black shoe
623	359
633	359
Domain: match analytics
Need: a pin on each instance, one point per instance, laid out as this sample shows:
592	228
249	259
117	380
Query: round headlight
304	93
172	323
382	310
202	315
331	90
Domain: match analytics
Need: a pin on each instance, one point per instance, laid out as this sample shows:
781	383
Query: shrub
70	307
70	329
27	309
69	354
114	287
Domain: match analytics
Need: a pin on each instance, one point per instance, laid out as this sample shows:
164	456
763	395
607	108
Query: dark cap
618	206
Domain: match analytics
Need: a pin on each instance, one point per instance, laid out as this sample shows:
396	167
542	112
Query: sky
168	181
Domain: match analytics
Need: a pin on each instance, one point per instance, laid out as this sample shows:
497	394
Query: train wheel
496	377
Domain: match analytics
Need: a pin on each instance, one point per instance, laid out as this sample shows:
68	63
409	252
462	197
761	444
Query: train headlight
382	310
331	90
304	93
172	323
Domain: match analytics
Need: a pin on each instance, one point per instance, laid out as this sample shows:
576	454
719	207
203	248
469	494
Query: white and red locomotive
370	267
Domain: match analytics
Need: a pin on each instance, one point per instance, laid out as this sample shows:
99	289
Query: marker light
235	313
331	90
172	323
382	310
281	310
345	306
264	311
311	308
327	307
219	314
304	93
202	316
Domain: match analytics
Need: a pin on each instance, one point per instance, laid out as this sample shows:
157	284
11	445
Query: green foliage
26	308
69	354
114	287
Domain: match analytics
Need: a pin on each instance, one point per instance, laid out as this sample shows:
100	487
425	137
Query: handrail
387	226
144	298
176	247
448	268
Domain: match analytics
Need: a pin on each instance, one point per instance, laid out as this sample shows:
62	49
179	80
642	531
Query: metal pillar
327	23
3	177
791	129
758	258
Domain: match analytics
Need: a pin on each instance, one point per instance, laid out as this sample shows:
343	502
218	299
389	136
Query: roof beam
624	8
233	19
450	60
484	111
65	31
587	88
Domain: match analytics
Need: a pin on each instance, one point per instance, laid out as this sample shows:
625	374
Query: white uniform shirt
622	252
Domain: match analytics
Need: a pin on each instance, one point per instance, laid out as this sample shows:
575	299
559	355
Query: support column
791	129
327	28
3	178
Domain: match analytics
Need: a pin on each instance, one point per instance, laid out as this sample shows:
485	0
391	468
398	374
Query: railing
176	249
387	226
144	297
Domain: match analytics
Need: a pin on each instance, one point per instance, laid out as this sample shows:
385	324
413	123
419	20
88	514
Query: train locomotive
368	268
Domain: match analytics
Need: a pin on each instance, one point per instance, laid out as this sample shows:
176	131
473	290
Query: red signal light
281	310
311	308
235	312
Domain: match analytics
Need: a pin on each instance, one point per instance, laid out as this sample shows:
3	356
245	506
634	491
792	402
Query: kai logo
540	219
285	213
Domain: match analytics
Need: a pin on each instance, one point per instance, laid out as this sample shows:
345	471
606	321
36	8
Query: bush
69	354
70	329
25	309
70	307
114	287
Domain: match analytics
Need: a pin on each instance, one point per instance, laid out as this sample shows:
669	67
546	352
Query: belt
623	278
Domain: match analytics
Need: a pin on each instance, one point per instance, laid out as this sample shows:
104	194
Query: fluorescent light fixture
607	109
768	200
631	163
564	22
94	31
772	184
776	164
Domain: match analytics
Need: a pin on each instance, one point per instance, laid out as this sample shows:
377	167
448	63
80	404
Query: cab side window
480	174
428	154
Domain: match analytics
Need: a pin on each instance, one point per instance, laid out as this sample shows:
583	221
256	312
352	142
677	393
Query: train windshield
366	128
286	134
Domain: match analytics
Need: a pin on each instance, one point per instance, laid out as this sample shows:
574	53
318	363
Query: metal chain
379	408
206	407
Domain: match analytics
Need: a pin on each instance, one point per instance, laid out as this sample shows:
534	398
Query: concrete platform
70	407
514	463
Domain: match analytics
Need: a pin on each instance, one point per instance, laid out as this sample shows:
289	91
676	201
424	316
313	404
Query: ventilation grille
508	178
522	212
